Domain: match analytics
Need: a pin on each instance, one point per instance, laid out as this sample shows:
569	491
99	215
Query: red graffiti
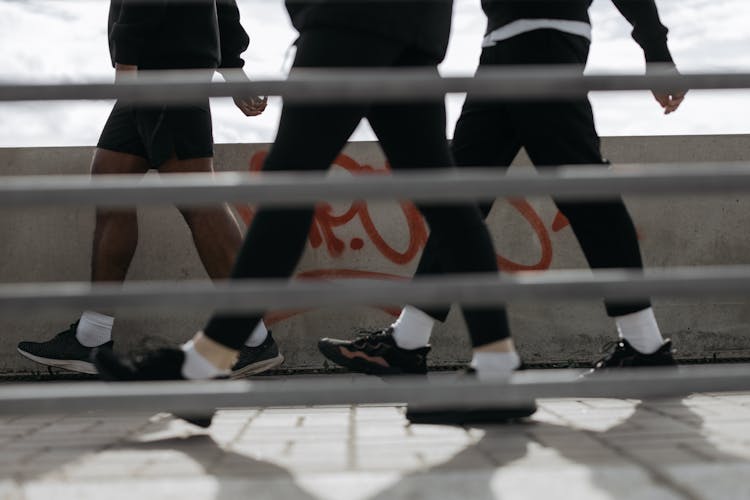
326	221
329	274
528	213
560	222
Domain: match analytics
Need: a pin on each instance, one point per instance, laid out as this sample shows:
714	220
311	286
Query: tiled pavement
698	447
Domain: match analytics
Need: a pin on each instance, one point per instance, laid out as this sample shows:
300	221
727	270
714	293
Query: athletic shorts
157	133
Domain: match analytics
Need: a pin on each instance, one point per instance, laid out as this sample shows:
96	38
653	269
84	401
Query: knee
193	217
107	162
219	219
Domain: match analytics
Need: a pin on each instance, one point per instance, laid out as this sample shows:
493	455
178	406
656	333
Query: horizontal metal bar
373	85
275	2
470	290
305	188
434	391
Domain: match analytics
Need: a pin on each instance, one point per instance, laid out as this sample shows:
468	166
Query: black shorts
157	133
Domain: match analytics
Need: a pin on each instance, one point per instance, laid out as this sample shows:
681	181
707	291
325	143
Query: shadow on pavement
660	449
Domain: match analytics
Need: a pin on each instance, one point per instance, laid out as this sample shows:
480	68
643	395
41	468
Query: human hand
669	101
251	106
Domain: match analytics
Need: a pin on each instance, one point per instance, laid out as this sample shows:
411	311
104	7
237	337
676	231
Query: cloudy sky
65	40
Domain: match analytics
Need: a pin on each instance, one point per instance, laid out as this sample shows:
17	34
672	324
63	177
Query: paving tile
578	482
699	447
10	490
711	481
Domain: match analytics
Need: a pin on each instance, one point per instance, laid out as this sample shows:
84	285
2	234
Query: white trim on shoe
73	365
255	368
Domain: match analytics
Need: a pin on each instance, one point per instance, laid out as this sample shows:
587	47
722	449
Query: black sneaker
62	351
375	353
254	360
625	356
469	415
161	364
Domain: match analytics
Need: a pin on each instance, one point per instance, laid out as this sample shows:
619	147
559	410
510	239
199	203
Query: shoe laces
609	346
70	331
365	336
609	349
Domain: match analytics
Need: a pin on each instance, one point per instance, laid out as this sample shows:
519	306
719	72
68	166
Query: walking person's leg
465	246
606	233
119	151
215	231
563	133
461	235
484	137
217	237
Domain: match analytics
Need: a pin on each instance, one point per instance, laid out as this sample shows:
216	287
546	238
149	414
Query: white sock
640	330
259	335
94	329
495	365
412	329
196	366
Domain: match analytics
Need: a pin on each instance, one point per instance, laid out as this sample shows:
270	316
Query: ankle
412	329
505	345
258	335
495	365
197	367
222	357
94	329
641	331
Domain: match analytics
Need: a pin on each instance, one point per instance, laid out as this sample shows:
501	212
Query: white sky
65	40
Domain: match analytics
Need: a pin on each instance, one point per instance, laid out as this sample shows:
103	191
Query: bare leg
116	231
216	233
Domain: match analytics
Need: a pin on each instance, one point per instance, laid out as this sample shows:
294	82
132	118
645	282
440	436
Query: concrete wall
54	245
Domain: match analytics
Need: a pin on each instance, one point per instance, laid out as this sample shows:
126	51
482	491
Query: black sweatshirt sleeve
234	39
133	21
648	30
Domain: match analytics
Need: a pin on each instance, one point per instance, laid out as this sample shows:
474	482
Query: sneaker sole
73	365
202	421
593	372
259	367
358	365
111	370
462	417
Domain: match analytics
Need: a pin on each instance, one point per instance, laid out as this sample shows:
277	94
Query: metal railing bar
434	391
374	85
438	185
257	296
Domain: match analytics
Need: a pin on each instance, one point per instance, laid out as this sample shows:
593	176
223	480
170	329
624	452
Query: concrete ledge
384	240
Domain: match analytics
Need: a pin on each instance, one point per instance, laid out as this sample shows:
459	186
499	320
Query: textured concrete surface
50	244
692	448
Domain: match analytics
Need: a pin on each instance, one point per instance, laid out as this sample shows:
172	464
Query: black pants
491	133
311	136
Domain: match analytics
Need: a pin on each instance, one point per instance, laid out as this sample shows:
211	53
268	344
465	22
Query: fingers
249	111
260	103
673	104
253	106
670	102
662	99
